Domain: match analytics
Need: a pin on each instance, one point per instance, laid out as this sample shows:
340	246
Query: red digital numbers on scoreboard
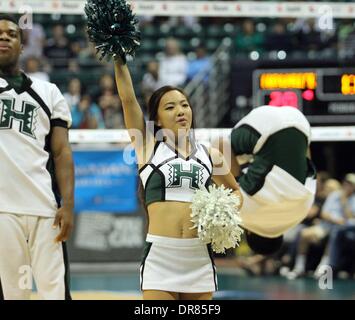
283	98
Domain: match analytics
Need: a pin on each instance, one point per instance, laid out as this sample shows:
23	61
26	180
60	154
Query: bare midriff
171	219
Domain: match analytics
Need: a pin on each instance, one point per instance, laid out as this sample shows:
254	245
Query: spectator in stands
74	93
344	30
279	38
346	37
338	210
173	65
314	229
33	42
87	58
300	236
314	39
291	237
106	85
201	63
110	106
107	99
151	81
87	115
145	20
249	39
188	21
33	69
307	34
58	49
342	249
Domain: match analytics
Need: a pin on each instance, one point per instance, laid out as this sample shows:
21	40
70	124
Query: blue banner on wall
104	182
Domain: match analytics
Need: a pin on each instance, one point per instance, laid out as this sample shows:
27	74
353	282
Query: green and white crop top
168	176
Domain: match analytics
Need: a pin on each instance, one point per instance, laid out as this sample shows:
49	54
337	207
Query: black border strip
67	272
59	123
179	155
163	193
1	292
39	100
7	88
203	164
147	250
165	162
209	249
157	143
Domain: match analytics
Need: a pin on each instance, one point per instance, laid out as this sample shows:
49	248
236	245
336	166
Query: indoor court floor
124	285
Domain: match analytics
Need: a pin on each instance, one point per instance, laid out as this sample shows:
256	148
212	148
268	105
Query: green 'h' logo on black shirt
176	174
26	117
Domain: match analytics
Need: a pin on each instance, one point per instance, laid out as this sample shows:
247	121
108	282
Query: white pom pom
216	216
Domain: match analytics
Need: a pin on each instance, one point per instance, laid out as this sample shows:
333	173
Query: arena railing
120	136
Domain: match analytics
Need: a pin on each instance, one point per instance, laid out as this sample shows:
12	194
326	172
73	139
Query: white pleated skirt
177	265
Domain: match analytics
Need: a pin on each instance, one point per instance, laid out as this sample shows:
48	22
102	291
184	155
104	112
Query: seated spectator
150	81
325	185
87	57
341	249
145	20
107	99
73	95
34	40
279	38
87	115
249	39
315	229
307	34
173	65
188	21
201	63
339	209
346	46
314	38
112	112
33	69
106	85
58	49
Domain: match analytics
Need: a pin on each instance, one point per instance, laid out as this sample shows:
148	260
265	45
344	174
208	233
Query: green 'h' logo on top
26	117
176	174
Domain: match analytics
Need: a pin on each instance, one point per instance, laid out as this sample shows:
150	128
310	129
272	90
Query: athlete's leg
15	269
159	295
49	265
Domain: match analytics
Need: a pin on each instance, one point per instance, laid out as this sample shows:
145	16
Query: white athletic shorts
27	246
177	265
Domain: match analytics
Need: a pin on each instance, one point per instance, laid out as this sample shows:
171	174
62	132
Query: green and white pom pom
112	27
216	217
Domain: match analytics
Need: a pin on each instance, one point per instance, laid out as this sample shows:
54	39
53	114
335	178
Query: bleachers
210	33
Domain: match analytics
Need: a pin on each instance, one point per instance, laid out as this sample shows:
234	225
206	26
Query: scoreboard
324	95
